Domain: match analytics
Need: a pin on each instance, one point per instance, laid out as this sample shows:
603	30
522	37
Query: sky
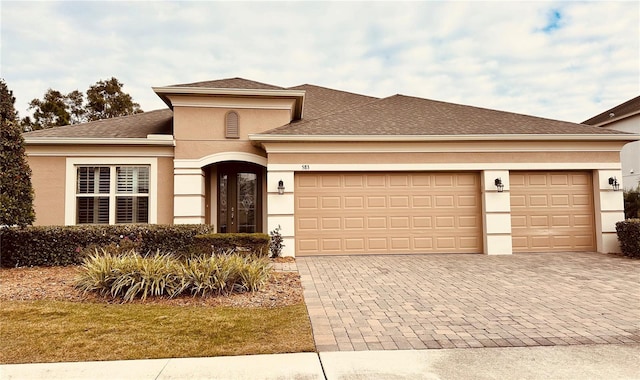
561	60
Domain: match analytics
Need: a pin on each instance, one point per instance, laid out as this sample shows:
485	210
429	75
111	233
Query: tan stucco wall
165	190
48	176
200	131
440	157
48	165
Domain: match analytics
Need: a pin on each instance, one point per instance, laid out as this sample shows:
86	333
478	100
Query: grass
58	331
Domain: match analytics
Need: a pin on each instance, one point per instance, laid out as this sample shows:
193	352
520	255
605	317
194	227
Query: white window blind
112	194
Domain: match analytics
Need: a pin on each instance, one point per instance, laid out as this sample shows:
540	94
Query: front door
239	198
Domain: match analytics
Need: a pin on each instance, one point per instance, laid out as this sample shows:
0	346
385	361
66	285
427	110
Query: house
624	117
341	173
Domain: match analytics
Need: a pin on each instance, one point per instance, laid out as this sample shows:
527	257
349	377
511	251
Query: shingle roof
133	126
320	101
408	116
231	83
332	112
620	111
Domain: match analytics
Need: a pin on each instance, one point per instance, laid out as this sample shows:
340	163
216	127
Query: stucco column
280	208
609	209
496	213
188	196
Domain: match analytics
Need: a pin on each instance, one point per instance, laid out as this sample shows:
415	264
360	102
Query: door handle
232	214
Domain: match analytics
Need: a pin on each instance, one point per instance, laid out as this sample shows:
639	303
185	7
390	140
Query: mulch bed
58	283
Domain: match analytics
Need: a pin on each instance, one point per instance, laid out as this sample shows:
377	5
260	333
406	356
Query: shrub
629	237
256	244
68	245
632	203
130	276
275	246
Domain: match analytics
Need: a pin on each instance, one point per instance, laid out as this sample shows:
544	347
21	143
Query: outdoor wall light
499	185
613	181
280	187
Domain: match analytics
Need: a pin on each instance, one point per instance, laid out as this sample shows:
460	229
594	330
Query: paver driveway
447	301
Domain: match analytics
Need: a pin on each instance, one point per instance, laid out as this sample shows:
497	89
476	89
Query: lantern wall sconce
613	182
280	187
499	185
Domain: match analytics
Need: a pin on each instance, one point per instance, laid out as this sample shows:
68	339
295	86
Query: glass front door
239	203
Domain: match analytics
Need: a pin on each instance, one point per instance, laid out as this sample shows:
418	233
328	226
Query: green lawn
57	331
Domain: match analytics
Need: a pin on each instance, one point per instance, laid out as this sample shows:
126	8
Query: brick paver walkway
452	301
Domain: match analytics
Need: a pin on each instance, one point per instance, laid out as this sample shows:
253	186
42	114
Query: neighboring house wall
630	153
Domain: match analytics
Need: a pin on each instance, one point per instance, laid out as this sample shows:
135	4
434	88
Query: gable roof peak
236	82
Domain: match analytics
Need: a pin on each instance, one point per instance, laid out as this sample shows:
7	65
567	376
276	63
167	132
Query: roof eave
413	138
298	95
612	120
151	140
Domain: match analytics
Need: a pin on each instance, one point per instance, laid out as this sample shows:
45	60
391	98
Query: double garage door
344	213
417	212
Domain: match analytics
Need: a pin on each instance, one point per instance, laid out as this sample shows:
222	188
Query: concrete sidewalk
557	362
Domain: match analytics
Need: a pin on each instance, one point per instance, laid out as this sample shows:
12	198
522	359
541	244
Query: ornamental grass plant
130	275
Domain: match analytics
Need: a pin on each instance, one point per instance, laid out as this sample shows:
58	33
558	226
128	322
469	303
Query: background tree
16	192
50	111
106	99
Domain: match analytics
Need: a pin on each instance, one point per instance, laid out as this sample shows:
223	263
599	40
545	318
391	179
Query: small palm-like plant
130	275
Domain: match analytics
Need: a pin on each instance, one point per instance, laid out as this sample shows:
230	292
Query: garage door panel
445	243
445	222
518	200
354	244
308	224
559	179
422	222
307	203
353	181
582	221
537	200
330	202
377	222
469	222
444	201
581	200
377	244
354	223
399	222
331	223
467	201
399	201
552	211
394	213
421	201
560	200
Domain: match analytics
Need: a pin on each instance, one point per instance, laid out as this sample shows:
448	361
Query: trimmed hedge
253	244
68	245
629	237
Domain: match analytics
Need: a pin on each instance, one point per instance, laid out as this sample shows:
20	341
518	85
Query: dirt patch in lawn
58	283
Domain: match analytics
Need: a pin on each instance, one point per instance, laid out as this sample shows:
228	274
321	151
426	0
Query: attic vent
233	129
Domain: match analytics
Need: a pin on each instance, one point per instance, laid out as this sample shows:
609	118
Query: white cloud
488	54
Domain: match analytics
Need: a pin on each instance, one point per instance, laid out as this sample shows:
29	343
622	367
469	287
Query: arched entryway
235	196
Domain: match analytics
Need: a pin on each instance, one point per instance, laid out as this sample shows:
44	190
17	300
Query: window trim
70	205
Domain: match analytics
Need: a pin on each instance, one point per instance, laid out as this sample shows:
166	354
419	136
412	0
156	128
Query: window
112	194
232	125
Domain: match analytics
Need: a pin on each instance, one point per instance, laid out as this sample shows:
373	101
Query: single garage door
372	213
552	211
